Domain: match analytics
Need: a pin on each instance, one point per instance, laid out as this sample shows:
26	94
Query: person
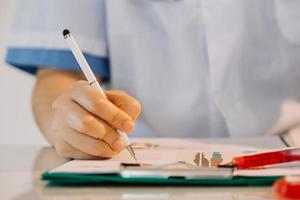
198	68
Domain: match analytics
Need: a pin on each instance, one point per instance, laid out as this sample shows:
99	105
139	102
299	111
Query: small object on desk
86	69
287	188
265	158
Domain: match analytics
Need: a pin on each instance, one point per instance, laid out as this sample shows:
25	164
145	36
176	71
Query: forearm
49	85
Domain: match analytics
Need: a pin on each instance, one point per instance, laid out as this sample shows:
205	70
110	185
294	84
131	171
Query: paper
158	152
168	150
88	167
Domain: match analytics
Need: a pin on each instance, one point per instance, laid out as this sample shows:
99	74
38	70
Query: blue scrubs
35	39
30	60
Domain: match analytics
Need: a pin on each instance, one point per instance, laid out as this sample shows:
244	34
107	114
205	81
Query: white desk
21	167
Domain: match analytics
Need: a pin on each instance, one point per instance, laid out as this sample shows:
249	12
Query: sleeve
289	19
35	39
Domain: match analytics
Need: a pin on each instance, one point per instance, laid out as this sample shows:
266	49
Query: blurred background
17	125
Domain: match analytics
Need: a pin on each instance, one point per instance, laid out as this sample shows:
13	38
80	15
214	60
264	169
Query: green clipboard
171	174
116	179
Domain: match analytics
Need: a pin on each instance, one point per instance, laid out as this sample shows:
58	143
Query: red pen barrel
269	158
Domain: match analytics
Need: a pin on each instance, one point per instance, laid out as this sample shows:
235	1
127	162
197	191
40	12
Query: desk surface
21	167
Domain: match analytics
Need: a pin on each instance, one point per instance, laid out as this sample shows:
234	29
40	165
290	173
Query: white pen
86	69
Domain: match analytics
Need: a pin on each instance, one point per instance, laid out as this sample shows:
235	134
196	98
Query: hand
288	123
85	123
292	136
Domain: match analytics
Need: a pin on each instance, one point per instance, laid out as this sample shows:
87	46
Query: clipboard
170	162
173	174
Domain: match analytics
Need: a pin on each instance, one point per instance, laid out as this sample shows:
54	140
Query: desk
21	167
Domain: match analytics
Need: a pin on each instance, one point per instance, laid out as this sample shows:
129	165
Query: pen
86	69
267	158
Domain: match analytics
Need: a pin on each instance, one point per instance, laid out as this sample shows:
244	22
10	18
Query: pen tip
134	157
66	32
131	151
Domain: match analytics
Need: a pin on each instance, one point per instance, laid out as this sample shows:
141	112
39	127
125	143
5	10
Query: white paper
160	151
88	167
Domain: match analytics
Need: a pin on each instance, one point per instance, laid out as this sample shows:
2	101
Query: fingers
113	139
89	98
82	121
65	150
87	144
85	123
125	102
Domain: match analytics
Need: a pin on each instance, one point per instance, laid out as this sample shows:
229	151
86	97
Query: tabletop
21	167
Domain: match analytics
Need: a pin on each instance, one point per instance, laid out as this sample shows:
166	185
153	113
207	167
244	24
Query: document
162	151
168	151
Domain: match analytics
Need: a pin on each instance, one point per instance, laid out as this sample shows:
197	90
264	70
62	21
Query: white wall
17	125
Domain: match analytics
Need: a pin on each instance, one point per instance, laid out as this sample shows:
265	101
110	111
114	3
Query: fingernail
132	108
128	125
117	145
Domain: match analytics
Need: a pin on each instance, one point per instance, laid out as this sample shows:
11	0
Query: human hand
85	123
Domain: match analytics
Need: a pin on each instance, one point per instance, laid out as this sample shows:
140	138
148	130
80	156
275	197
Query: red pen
267	158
